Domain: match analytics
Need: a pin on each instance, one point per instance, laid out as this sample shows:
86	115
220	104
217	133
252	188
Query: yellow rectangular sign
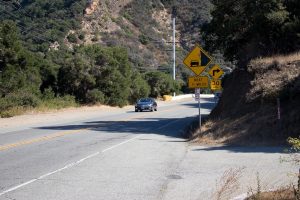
198	82
216	84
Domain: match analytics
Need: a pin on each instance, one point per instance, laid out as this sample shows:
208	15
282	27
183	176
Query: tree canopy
246	29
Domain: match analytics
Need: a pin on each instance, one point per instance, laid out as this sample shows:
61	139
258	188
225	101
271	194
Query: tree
139	87
75	78
160	83
114	79
19	68
246	29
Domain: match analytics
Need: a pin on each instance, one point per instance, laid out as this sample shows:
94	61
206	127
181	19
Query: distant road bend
123	155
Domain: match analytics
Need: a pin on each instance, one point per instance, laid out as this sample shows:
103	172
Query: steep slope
144	28
248	110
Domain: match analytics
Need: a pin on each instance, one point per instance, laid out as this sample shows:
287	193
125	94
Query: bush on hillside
139	87
160	83
95	96
72	38
21	98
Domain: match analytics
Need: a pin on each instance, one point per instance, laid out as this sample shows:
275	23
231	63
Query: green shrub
295	144
139	87
81	36
95	96
17	102
12	112
161	84
72	38
21	98
58	103
48	94
143	39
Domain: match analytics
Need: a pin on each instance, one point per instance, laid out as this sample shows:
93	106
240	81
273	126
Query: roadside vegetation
262	38
260	103
46	61
291	192
89	74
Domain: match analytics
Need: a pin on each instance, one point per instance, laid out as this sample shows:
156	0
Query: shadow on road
243	149
174	127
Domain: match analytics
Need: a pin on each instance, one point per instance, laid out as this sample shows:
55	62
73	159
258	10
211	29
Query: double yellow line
40	139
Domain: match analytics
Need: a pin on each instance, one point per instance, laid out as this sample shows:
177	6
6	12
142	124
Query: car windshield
145	100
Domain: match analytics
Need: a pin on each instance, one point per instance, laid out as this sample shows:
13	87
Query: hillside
247	112
73	52
260	101
145	29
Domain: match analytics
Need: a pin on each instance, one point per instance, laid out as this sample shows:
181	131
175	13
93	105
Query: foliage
190	16
105	70
32	74
247	29
144	39
160	83
139	87
72	38
43	22
95	96
295	144
19	98
75	78
19	68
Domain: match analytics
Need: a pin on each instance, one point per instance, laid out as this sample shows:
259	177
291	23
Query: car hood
144	103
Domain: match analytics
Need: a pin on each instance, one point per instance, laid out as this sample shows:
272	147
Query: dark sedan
146	104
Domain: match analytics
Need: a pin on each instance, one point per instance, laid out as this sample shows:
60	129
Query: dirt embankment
247	113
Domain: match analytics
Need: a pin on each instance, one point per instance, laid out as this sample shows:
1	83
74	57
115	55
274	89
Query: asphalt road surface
127	155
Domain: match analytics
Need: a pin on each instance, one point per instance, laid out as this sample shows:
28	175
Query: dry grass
209	136
18	110
247	112
280	59
228	183
280	194
272	75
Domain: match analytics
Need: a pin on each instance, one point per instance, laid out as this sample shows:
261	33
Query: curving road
128	155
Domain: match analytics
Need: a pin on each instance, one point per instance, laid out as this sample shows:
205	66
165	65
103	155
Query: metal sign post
199	111
197	97
197	60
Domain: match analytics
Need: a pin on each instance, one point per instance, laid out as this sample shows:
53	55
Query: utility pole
174	47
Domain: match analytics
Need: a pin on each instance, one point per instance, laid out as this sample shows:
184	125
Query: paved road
127	155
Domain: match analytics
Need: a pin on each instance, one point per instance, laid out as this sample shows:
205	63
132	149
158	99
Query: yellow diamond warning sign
198	82
216	72
197	60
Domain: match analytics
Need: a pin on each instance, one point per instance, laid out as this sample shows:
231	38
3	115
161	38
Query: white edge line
65	167
110	148
17	187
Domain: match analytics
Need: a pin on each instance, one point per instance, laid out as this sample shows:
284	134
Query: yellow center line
60	134
40	139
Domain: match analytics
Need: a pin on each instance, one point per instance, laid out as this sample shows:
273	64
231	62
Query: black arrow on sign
215	71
